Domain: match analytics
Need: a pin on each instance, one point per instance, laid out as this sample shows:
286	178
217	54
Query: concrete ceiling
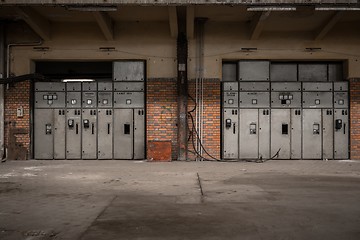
223	13
303	19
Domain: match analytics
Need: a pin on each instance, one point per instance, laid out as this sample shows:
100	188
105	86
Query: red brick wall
211	121
162	113
161	107
18	95
355	119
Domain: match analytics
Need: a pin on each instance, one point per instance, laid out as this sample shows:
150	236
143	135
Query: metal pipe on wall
10	45
2	68
8	70
199	88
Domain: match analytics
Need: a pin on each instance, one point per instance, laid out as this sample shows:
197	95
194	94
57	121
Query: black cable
193	130
276	154
193	143
199	140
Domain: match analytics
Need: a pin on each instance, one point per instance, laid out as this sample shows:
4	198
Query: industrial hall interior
222	80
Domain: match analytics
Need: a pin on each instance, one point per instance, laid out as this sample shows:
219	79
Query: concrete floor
140	200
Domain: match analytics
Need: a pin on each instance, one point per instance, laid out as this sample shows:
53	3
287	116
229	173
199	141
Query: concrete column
182	86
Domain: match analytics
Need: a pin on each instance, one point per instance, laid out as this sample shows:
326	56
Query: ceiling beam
106	24
257	24
330	23
38	23
190	19
173	22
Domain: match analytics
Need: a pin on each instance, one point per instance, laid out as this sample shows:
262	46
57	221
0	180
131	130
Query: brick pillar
18	95
161	107
355	118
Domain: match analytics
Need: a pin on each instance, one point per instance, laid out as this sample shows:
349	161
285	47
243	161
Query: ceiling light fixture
77	80
337	8
92	8
248	49
107	49
312	49
270	8
41	49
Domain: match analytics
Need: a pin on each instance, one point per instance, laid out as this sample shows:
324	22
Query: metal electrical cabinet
59	133
285	111
73	134
312	134
129	71
89	134
249	134
139	130
105	133
49	121
328	133
123	134
92	120
264	133
341	133
230	133
254	70
296	134
280	133
44	136
129	128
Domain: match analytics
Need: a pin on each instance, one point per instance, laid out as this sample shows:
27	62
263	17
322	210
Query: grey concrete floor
141	200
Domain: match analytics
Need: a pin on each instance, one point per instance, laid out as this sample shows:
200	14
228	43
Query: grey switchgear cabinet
229	72
249	132
254	71
59	133
254	100
312	134
139	130
105	86
301	113
230	133
50	99
129	86
129	71
73	100
92	120
73	134
89	134
312	72
231	86
283	72
328	133
280	133
89	99
264	133
105	99
230	99
49	86
123	133
89	86
73	86
296	134
105	133
341	134
44	130
128	99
